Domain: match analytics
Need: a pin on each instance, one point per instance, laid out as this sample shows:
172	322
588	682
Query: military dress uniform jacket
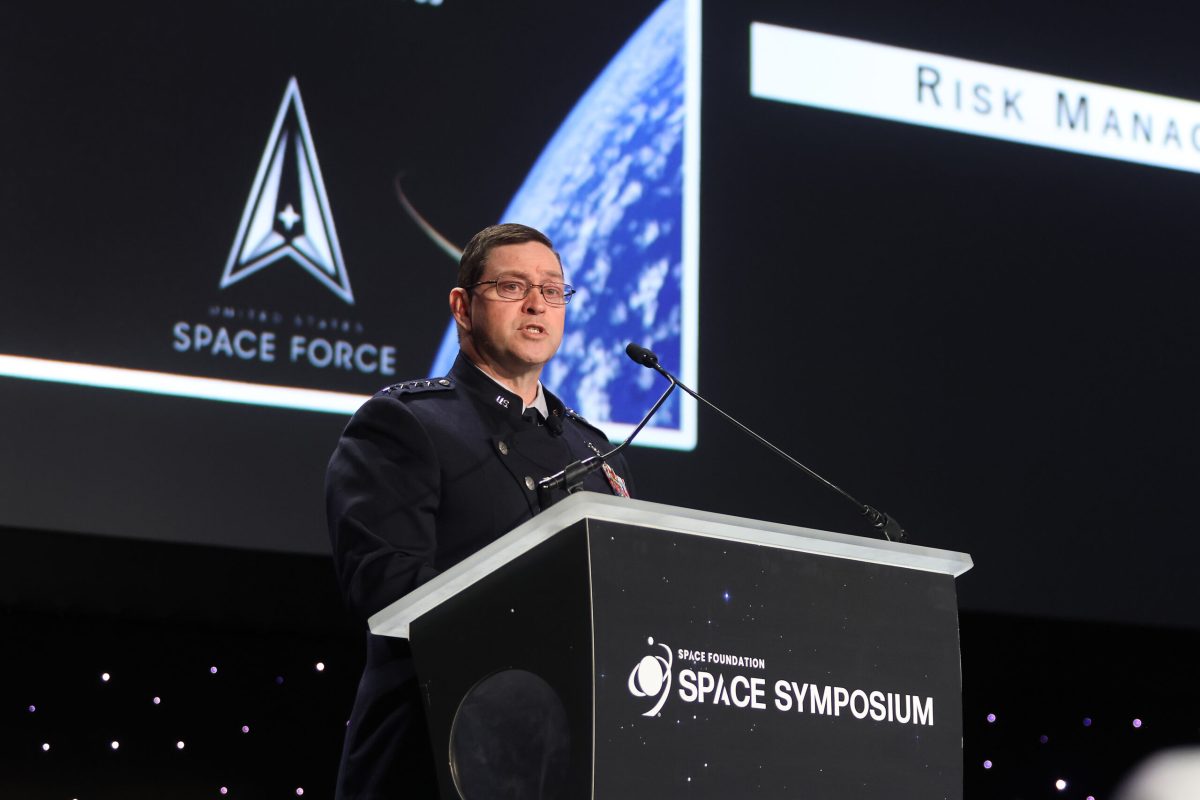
425	474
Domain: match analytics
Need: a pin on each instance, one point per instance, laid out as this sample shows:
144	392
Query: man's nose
535	303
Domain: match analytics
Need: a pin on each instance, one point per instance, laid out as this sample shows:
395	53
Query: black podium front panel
523	630
726	669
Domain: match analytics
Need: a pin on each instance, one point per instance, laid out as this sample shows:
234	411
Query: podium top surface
395	619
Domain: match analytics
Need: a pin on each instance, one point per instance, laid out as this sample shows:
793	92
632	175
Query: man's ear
460	307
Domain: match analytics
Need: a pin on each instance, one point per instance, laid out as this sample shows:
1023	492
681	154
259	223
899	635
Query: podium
611	648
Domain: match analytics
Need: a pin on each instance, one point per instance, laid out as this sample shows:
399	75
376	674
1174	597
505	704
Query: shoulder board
417	387
571	413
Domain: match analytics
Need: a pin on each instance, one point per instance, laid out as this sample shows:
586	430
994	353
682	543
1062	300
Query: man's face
513	337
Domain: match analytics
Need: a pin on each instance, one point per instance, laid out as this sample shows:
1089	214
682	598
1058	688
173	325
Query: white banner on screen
893	83
165	383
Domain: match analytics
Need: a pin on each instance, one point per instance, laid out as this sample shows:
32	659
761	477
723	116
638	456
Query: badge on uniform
615	480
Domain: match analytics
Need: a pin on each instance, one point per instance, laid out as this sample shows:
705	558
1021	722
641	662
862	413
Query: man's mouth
535	328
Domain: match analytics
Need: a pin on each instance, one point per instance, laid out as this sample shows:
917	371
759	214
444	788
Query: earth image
608	191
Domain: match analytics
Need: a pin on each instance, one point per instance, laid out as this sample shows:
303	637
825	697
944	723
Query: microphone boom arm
572	476
888	526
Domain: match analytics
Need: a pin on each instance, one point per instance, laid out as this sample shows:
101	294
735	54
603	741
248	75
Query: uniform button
529	483
503	448
444	382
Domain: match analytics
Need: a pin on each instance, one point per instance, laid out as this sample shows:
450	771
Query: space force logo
287	214
286	217
651	677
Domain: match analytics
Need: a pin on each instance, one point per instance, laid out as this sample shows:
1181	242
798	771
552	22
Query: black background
993	342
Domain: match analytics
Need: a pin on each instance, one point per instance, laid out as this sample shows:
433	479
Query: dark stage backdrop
989	336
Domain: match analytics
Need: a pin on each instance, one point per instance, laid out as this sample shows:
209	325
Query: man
427	472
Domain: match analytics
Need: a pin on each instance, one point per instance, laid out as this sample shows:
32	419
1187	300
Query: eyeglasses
555	294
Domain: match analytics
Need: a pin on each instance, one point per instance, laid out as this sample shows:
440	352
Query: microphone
643	356
572	476
889	527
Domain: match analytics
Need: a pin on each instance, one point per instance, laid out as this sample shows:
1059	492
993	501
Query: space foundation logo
742	682
651	677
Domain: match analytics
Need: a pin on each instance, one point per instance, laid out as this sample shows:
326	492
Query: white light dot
157	700
32	709
245	729
224	790
987	764
1060	784
299	790
115	744
45	747
1137	723
212	670
179	745
320	666
104	676
991	717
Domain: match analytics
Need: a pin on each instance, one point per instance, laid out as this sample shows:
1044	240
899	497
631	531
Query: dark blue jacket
425	474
